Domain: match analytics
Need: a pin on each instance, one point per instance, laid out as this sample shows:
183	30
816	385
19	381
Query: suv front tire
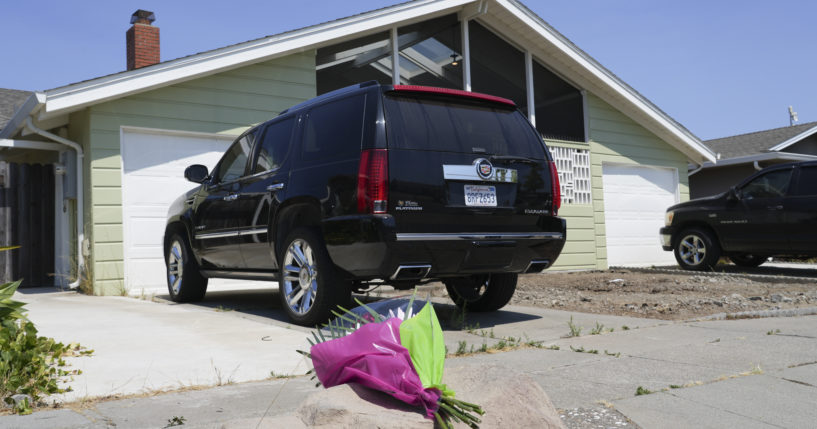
184	281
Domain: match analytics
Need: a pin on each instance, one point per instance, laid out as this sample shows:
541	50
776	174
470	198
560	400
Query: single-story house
740	156
124	140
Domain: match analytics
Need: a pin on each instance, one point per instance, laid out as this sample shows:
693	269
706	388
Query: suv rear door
463	165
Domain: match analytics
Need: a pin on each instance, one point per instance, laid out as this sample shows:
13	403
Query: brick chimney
142	40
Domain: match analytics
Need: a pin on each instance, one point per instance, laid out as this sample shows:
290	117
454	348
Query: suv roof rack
455	92
330	94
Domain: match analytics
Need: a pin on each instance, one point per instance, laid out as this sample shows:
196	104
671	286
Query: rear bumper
369	247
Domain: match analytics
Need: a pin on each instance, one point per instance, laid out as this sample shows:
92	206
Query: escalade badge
484	168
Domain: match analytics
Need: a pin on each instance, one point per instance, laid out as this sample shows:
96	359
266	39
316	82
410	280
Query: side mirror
733	194
196	173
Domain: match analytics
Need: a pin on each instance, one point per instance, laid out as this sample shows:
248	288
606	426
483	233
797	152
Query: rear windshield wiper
512	159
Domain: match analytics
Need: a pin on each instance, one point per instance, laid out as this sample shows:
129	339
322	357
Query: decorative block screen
573	166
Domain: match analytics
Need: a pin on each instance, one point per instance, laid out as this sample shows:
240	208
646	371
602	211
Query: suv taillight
373	181
556	189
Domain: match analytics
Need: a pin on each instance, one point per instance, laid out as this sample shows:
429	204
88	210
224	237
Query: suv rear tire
184	281
487	292
748	260
308	282
696	249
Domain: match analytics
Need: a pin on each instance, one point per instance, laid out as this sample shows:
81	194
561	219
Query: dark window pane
334	129
808	181
431	53
440	125
497	68
275	145
360	60
559	106
234	162
770	185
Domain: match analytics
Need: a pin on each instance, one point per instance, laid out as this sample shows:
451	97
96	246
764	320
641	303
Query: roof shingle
10	100
756	142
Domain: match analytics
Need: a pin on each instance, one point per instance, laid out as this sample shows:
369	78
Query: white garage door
153	177
635	200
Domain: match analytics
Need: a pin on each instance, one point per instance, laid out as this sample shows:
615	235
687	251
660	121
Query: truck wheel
696	249
486	292
748	260
184	281
308	283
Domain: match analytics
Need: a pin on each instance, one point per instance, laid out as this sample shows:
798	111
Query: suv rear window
443	125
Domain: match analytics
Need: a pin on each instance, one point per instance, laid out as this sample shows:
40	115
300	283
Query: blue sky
718	67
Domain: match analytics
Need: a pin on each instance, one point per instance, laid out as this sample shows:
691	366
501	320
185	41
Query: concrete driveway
730	373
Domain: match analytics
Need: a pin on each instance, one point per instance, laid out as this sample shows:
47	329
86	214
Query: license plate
480	196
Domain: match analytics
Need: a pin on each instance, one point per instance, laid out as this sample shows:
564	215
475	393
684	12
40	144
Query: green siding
225	103
615	138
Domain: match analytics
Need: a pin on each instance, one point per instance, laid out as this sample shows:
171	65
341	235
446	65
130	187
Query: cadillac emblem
484	168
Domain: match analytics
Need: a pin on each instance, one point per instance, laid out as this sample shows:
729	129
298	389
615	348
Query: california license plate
480	196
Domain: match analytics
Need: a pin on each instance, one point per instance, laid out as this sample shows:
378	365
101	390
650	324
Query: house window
573	166
559	106
497	68
431	53
360	60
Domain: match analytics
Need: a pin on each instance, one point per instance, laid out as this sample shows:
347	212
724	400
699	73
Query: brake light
373	181
556	188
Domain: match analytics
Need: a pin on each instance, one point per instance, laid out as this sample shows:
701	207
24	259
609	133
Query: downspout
700	167
757	166
80	155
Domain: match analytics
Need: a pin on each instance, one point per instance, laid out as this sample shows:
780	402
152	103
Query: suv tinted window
334	128
234	162
446	126
771	185
807	185
274	146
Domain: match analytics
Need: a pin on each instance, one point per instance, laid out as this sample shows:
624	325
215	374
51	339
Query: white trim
586	116
31	144
34	102
795	139
395	57
74	97
605	77
749	159
529	85
466	55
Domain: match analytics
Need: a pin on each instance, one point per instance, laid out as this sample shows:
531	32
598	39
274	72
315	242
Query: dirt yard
669	296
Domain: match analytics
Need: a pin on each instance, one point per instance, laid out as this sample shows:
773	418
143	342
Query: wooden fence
27	220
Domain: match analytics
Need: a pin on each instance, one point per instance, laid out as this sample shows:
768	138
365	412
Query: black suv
771	213
367	185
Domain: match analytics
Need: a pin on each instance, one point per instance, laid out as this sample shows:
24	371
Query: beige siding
615	138
226	103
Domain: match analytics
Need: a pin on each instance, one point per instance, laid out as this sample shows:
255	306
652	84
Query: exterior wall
225	103
615	138
807	146
712	181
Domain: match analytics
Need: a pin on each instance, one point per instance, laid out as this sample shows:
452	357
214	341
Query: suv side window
274	146
770	185
334	129
234	162
807	183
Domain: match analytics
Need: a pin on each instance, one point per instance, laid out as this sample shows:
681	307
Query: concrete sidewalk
732	373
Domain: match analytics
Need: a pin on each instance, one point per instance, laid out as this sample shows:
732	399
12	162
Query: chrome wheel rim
175	267
692	250
300	277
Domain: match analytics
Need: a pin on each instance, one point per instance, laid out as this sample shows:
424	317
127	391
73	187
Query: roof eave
795	139
34	103
79	95
766	156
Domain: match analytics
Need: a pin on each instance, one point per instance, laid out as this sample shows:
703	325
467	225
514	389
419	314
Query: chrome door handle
275	187
231	197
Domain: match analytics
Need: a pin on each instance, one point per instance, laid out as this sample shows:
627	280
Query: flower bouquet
399	352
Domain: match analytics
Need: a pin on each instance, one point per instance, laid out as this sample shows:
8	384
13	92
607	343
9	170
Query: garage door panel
635	200
153	177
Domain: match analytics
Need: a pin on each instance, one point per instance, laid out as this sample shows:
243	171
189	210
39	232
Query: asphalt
225	362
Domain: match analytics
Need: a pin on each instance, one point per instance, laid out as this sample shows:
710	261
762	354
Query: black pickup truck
373	184
771	213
